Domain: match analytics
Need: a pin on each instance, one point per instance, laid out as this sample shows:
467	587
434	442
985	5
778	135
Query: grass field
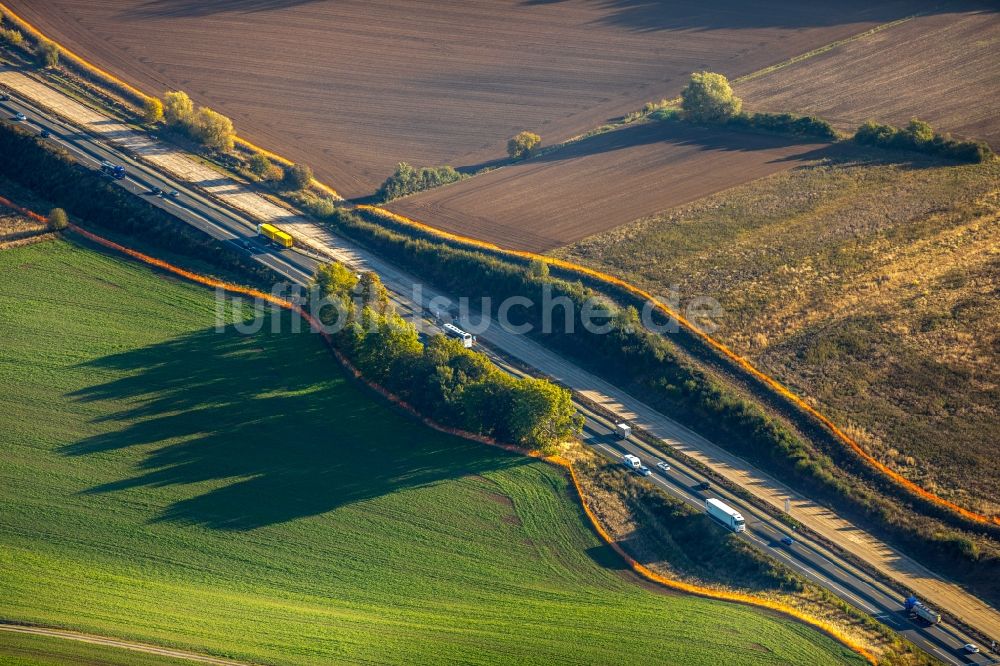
28	650
355	86
940	67
234	494
866	284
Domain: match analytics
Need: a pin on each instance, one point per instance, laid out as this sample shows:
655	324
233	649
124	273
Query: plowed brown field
943	68
354	86
600	183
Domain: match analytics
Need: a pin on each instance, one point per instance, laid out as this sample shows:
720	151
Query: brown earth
943	68
601	182
352	87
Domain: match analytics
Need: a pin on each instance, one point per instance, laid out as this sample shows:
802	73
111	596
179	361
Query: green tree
48	53
523	145
177	108
373	293
542	414
709	98
152	110
298	177
259	164
538	269
58	220
334	279
920	131
212	129
11	36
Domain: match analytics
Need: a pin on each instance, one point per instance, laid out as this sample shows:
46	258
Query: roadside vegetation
444	380
344	515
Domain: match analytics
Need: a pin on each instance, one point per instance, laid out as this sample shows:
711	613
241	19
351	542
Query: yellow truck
275	234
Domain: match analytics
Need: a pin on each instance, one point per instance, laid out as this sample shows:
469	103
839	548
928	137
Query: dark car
45	134
155	191
4	98
173	193
787	540
704	485
247	245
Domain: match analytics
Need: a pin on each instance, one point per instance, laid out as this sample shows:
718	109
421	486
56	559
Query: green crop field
236	494
28	650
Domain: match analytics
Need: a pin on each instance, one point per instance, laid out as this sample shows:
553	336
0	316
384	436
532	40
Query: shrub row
407	180
920	136
647	364
441	378
89	196
785	123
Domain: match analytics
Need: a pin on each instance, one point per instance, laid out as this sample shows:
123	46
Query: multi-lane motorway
806	555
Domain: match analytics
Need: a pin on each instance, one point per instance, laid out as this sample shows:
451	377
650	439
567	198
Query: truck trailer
274	234
623	430
725	514
918	610
632	462
116	171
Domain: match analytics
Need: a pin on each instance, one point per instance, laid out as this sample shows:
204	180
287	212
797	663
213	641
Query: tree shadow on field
262	429
654	15
197	8
671	133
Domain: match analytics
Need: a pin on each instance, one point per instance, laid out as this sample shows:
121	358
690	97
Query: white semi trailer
725	514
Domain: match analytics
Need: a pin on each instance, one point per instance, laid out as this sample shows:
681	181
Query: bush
48	54
12	36
152	111
259	165
919	136
709	98
523	145
177	108
786	123
407	180
211	129
58	219
298	177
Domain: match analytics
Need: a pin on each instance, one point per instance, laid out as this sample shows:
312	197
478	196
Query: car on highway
173	194
971	648
155	191
4	98
45	133
247	245
644	471
787	540
20	117
663	466
704	485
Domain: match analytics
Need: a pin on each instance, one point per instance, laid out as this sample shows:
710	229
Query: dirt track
943	68
600	183
354	86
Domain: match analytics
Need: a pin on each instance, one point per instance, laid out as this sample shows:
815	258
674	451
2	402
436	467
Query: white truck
725	514
623	430
632	462
918	610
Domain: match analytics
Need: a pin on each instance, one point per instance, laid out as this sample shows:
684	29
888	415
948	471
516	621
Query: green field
28	650
235	494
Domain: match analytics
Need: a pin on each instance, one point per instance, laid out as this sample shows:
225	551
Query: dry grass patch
869	286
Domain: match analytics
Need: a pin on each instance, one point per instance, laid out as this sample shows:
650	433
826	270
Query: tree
920	131
212	129
12	36
152	110
523	145
259	164
48	53
709	98
58	219
177	108
541	413
298	176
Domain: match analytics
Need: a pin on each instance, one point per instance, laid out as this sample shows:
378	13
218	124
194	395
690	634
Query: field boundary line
95	639
555	460
715	344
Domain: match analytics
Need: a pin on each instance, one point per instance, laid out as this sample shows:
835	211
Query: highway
807	556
